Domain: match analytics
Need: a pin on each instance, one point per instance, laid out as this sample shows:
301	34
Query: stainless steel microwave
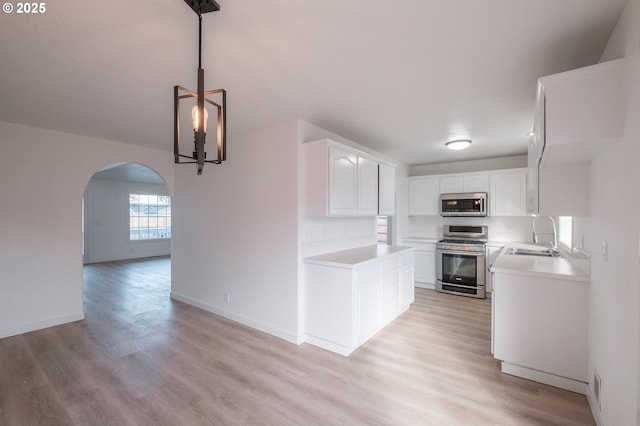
467	204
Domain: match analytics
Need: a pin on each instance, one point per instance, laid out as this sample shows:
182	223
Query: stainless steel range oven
460	260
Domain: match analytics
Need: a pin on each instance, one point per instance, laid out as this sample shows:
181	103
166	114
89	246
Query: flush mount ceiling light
458	144
215	98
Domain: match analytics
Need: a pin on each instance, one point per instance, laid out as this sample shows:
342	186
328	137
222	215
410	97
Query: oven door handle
463	253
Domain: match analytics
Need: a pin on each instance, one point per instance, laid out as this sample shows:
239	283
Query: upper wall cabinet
386	189
581	111
367	194
506	190
471	182
578	114
508	193
423	195
342	181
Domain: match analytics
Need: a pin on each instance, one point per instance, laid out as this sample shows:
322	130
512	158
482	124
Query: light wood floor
140	358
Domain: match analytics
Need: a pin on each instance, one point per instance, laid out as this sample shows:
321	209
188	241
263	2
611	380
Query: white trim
546	378
328	345
291	338
39	325
595	410
420	284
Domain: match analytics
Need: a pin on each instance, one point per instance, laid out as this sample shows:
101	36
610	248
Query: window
383	226
565	231
149	217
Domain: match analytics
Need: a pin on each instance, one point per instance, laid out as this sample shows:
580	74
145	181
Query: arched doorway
126	245
126	214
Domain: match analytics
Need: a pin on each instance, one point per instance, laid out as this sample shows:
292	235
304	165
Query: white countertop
550	267
352	257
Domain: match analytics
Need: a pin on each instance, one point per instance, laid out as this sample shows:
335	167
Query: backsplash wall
324	235
501	229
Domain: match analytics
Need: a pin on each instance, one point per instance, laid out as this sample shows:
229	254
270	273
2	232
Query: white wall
512	162
107	222
614	320
501	229
235	231
43	175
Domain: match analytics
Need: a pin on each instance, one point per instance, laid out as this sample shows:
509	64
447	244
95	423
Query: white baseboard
292	338
328	345
546	378
425	285
39	325
593	404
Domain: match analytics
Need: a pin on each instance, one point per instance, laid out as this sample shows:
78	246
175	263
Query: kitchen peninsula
350	295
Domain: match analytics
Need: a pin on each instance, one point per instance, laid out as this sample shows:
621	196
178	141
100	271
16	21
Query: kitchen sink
533	252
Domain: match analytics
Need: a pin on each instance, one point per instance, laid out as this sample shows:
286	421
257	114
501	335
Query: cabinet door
451	184
476	183
389	296
366	311
423	196
508	196
343	166
367	196
386	190
532	181
407	292
430	267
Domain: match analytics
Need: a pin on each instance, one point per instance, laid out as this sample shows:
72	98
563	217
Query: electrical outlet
605	251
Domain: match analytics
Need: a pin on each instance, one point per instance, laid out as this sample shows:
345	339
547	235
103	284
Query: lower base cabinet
425	261
540	329
344	306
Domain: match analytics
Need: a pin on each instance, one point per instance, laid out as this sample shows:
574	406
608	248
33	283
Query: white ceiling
399	77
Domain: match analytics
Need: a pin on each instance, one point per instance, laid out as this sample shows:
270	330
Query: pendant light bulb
196	121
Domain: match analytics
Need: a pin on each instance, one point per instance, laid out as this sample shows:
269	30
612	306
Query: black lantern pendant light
199	113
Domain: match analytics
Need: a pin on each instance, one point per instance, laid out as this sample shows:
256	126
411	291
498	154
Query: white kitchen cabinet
339	180
407	278
476	183
343	170
451	184
583	111
467	182
579	114
508	193
540	328
423	196
533	163
350	295
492	251
367	194
386	190
425	261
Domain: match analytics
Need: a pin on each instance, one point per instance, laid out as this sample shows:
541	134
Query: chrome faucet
554	244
